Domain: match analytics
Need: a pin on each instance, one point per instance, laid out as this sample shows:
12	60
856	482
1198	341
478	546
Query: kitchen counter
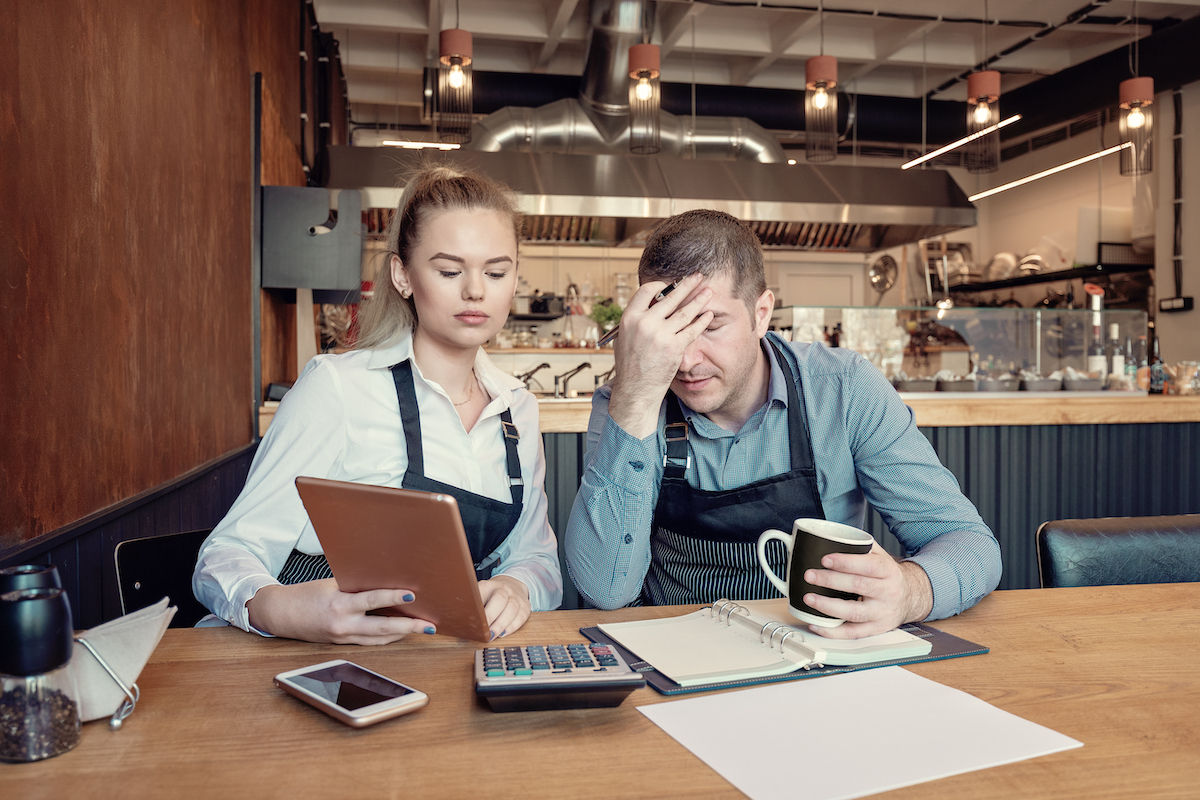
947	409
962	409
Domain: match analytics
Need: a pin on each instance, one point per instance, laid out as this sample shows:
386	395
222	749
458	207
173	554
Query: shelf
538	317
1095	271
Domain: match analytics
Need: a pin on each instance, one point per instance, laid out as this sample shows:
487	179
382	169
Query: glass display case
985	349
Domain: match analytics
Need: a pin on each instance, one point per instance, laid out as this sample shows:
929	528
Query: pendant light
644	99
1137	116
983	112
820	102
454	86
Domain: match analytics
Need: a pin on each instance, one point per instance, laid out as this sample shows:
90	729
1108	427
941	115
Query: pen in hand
612	334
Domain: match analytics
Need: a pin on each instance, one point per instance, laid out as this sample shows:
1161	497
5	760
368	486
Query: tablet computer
381	537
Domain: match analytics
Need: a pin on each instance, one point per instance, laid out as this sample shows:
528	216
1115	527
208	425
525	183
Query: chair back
1119	550
149	569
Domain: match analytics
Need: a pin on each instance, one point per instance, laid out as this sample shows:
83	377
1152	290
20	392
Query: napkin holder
107	660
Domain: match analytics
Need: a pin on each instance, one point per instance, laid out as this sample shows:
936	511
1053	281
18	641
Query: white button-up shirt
341	421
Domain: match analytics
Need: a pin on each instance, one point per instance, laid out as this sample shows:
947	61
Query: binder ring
785	635
764	630
728	608
719	606
784	639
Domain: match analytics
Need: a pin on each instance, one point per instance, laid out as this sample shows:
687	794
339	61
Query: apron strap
678	457
410	417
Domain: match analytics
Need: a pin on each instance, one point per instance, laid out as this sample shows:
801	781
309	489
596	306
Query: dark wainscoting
83	552
1018	477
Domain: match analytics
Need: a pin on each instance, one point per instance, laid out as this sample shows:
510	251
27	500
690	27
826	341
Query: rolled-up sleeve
917	497
607	540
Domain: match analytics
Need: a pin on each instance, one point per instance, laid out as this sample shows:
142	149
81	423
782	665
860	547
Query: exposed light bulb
820	98
644	90
1135	118
456	78
982	112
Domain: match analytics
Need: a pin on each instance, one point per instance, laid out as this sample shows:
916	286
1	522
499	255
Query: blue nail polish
408	597
429	629
493	636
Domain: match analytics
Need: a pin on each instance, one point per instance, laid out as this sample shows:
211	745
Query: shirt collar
776	392
498	382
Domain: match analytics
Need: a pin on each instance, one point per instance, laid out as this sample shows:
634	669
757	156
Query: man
755	432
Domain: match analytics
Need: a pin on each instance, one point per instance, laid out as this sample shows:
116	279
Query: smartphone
350	693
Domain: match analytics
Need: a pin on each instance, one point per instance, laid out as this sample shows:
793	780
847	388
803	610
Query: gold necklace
474	380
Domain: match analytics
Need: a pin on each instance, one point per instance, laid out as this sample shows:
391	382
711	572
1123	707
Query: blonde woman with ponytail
416	389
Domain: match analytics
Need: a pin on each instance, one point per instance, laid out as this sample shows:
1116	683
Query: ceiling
906	49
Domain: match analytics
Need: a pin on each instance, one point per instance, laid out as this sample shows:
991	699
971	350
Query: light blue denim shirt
867	449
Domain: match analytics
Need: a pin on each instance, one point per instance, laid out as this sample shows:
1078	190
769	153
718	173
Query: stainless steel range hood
617	199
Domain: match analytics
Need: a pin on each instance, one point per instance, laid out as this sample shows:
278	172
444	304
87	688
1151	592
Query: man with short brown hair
762	432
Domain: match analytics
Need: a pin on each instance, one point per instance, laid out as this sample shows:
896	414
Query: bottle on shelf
1158	373
1097	359
1141	361
1114	354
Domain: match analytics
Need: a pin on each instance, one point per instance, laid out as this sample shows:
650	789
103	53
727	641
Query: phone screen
349	686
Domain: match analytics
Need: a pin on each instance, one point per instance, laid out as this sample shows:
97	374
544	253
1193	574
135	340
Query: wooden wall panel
125	244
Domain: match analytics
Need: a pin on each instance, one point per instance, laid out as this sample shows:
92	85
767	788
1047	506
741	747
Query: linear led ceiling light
960	142
407	145
1050	171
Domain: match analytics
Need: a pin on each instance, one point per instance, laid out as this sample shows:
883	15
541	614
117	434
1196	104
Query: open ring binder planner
752	641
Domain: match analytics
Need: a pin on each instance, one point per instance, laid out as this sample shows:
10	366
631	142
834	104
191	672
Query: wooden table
1114	667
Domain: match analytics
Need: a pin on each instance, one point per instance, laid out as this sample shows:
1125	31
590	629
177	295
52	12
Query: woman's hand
505	604
317	611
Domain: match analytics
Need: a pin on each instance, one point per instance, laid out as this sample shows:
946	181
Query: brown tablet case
380	537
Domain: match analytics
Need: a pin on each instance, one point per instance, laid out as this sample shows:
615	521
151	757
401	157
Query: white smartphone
350	693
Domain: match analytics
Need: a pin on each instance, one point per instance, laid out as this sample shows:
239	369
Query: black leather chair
1119	550
149	569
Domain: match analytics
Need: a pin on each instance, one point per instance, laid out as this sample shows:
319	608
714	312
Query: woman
417	383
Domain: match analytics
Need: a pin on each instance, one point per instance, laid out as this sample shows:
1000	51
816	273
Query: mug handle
787	540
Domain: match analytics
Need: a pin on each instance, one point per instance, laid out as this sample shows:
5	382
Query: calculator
540	677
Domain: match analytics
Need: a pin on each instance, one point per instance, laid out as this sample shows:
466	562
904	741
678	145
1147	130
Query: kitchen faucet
566	376
528	376
604	377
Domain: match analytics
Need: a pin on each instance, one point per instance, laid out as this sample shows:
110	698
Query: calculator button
522	672
495	673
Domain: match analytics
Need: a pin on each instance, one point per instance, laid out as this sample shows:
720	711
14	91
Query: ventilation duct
570	164
616	199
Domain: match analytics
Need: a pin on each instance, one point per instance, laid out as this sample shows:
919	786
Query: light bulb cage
454	87
1137	100
820	118
983	112
645	105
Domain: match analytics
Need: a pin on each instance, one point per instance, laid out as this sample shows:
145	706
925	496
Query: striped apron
487	522
704	544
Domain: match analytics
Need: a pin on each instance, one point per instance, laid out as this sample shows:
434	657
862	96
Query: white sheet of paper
844	736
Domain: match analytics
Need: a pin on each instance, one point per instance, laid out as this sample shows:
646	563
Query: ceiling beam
789	30
885	50
434	14
674	21
556	23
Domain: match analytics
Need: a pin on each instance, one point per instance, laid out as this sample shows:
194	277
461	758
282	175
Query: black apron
704	544
487	522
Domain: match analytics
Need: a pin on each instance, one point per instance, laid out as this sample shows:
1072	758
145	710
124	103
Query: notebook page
694	648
